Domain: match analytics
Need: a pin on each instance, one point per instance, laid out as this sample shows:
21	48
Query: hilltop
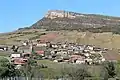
66	20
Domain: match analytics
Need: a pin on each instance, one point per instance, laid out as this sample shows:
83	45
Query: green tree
7	69
110	69
118	69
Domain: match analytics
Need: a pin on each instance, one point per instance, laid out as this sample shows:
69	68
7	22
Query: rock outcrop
65	20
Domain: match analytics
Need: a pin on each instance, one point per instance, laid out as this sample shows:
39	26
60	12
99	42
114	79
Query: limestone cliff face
59	14
59	19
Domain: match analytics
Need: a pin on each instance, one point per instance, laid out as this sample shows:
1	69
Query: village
60	52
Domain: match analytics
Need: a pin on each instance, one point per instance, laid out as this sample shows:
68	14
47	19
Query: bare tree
78	73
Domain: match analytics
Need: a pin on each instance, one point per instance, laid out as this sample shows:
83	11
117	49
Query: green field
5	54
57	69
54	69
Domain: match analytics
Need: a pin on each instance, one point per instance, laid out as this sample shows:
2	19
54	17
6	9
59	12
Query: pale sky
15	14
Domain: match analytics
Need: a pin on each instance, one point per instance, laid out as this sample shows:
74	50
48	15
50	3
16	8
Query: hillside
106	39
65	20
58	24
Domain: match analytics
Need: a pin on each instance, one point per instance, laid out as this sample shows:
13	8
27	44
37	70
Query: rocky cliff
65	20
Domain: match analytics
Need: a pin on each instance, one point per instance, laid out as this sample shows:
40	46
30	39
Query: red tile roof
40	52
19	61
75	57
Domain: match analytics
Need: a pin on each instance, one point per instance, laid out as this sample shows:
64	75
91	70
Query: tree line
32	70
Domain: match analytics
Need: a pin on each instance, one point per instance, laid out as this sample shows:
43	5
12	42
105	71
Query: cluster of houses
57	52
74	53
61	52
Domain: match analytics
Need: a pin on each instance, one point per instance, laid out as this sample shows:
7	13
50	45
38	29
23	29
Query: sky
16	14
